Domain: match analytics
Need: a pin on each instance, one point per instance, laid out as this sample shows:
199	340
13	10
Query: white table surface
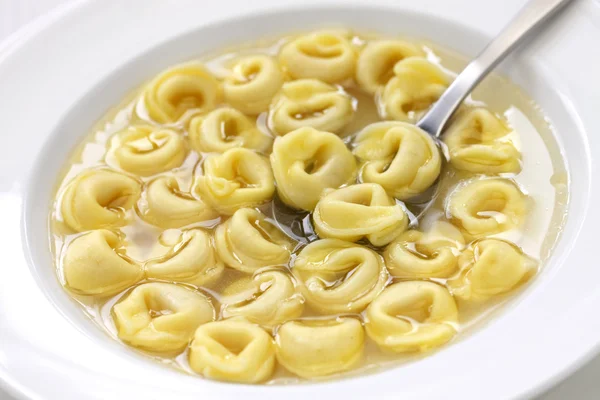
583	385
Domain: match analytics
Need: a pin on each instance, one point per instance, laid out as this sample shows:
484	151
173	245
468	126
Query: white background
583	385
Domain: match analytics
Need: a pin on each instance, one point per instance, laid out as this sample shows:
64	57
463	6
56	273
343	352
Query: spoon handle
530	16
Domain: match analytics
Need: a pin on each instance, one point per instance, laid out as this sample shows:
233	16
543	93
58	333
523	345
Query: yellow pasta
233	350
477	143
95	264
224	129
161	317
314	348
487	206
179	90
268	299
99	198
335	276
191	260
412	316
376	62
307	161
429	254
236	179
491	267
416	85
325	55
145	150
357	211
247	242
253	82
166	206
310	103
400	157
167	215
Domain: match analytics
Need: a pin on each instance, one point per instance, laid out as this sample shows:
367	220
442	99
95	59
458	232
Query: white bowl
64	74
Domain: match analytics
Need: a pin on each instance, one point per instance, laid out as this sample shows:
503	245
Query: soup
164	230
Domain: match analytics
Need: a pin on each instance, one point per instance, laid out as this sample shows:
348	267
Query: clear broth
543	178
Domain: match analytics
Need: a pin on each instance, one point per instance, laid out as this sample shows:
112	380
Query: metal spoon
298	225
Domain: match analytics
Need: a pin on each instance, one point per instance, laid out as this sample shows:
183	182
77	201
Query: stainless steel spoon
298	225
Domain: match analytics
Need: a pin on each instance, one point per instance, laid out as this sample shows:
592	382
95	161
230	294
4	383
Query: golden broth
543	178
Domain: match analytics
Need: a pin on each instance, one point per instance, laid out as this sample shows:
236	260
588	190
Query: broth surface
543	178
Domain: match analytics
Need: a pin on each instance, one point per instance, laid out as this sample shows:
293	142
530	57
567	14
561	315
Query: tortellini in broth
145	150
253	82
166	206
179	90
191	260
491	267
233	350
95	264
161	317
412	316
326	55
99	198
248	242
425	254
487	206
400	157
416	85
336	276
264	215
319	347
357	211
375	66
224	129
235	179
306	162
476	143
310	103
268	299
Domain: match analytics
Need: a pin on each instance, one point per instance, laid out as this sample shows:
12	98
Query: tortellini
165	206
278	207
179	90
252	84
144	150
326	55
412	316
233	350
161	317
99	198
402	158
489	268
314	348
191	260
307	161
247	242
268	299
476	144
487	206
357	211
337	276
236	179
224	129
429	254
375	66
416	85
310	103
95	264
